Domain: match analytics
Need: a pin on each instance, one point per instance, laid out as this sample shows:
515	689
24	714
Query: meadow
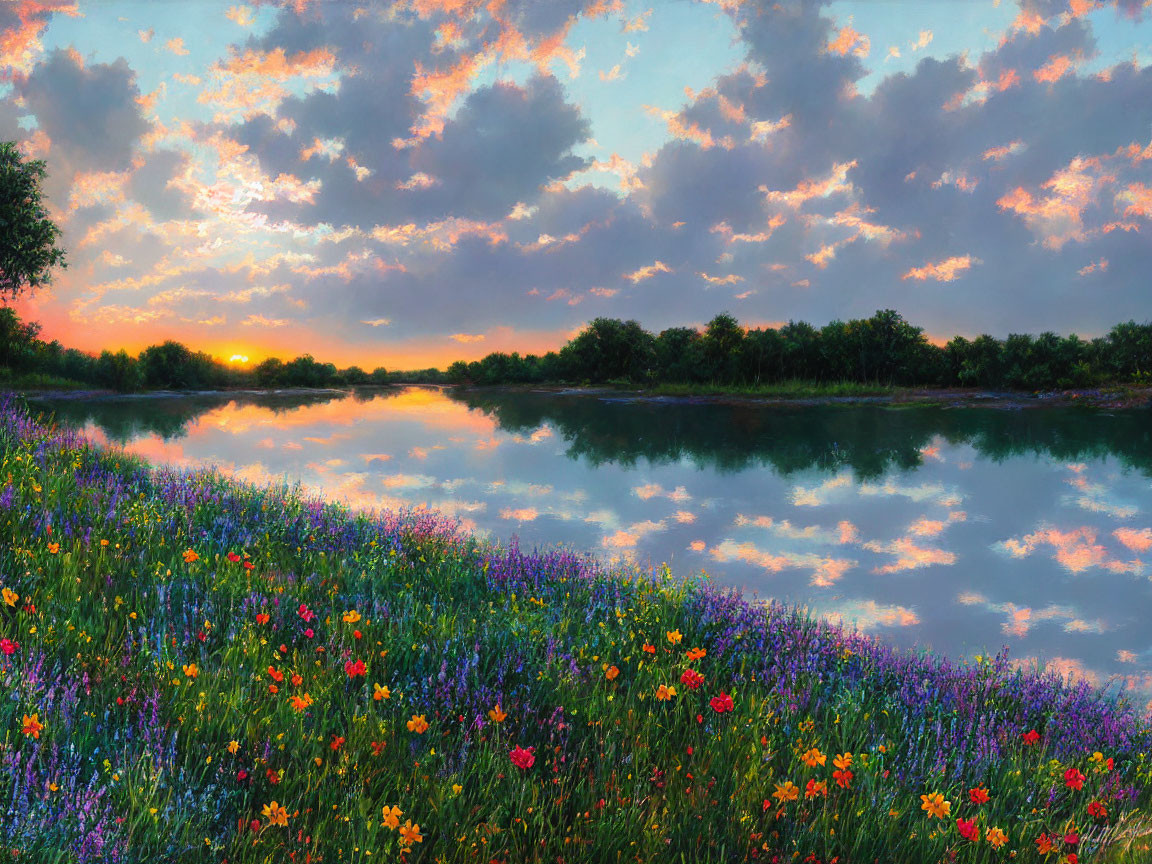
195	669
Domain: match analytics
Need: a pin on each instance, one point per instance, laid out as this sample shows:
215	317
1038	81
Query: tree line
882	349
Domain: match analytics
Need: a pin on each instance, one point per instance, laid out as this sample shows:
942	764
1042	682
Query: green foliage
28	250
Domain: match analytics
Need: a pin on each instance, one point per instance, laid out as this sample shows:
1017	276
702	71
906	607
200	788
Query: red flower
722	703
276	674
1073	779
1071	838
521	758
357	634
968	829
8	646
377	747
354	669
843	778
233	557
263	617
1071	858
649	649
337	742
272	776
309	632
691	679
241	775
305	613
1097	809
979	795
248	565
1031	736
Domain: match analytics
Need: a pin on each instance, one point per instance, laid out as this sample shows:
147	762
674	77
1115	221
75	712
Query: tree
28	250
720	345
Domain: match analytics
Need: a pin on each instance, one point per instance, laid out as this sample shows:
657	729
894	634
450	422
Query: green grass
33	381
793	389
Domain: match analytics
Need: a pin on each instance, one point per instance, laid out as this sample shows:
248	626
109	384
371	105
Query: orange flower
649	649
380	692
786	791
351	616
418	724
190	556
10	596
843	761
263	618
300	703
674	636
935	805
814	788
32	725
814	757
696	653
996	838
53	548
233	747
611	672
297	679
392	817
664	692
979	795
1044	844
843	778
276	674
276	814
410	833
191	670
496	715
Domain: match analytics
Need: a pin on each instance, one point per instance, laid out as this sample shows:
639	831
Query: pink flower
521	758
309	632
8	646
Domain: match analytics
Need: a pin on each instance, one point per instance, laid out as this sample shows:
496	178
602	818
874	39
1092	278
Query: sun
238	358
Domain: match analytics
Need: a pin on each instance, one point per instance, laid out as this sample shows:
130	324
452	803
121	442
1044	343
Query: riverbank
198	668
1117	397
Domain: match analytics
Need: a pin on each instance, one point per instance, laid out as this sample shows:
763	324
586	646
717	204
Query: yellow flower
674	637
190	556
496	715
410	833
935	806
457	788
276	814
392	817
191	670
664	692
10	596
379	691
233	747
996	838
351	616
418	724
814	757
786	791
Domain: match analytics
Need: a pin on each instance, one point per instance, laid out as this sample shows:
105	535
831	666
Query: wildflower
968	829
1031	737
691	679
649	649
521	758
380	692
1097	810
191	670
843	761
233	557
8	647
1070	858
814	757
32	725
457	788
354	669
410	833
300	703
309	633
996	838
1044	844
53	548
351	616
305	613
297	679
248	565
103	542
273	777
496	715
815	787
979	795
378	747
843	778
674	637
392	817
721	703
263	618
1073	779
695	654
935	805
10	596
337	742
418	724
276	814
664	692
233	747
786	791
611	672
276	674
190	556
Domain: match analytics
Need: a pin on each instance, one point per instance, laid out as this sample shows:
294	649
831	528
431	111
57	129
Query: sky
410	183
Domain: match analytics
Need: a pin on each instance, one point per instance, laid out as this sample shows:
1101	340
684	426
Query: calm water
958	529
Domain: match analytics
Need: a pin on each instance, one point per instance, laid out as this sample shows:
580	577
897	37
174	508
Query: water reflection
960	529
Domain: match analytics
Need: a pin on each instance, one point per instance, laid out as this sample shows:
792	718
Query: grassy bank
198	670
794	389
